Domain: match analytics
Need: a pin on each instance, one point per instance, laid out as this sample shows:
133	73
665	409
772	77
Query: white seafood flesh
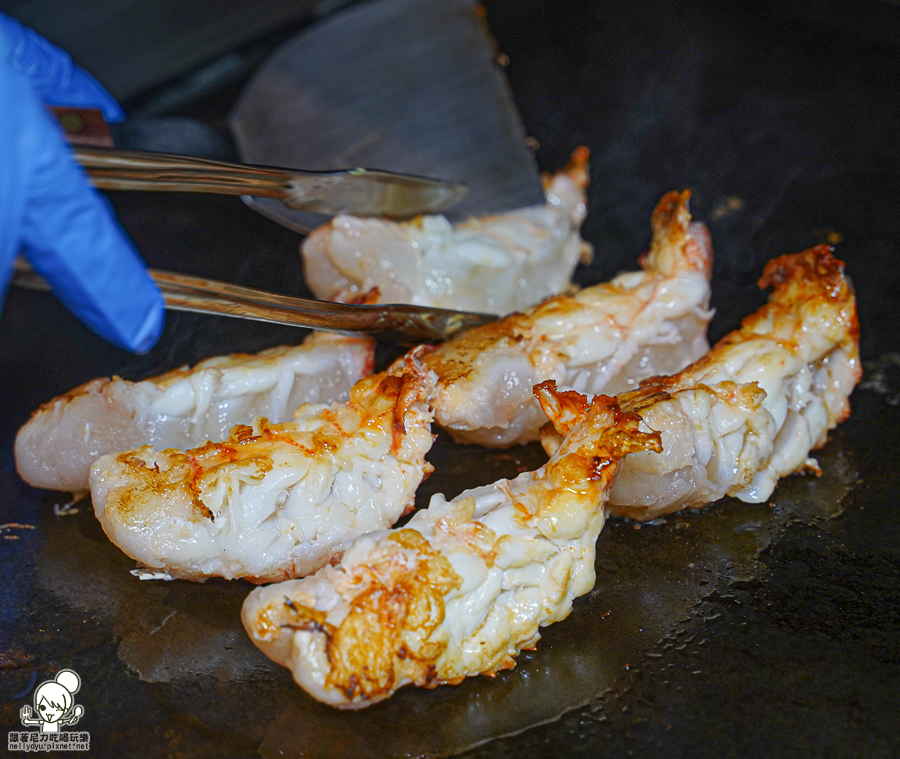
273	501
605	338
184	407
495	264
467	583
459	590
750	411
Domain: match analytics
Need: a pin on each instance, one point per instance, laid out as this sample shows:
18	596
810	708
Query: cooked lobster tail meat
605	338
184	407
495	264
273	501
752	409
465	585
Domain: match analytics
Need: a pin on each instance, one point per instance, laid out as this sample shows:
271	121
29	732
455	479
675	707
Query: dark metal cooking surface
738	630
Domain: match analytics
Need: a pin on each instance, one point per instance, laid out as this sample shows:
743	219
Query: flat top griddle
737	630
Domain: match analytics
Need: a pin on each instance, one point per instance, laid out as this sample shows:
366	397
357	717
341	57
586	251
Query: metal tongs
358	191
362	192
390	323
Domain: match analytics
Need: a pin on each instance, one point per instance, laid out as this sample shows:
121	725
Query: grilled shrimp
497	264
464	586
603	339
185	407
274	501
750	411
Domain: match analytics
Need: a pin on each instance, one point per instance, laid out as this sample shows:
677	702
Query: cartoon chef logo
54	703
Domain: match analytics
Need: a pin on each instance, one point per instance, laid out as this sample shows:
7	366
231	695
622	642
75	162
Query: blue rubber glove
48	210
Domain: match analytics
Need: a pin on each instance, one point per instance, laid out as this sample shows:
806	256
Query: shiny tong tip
389	323
367	192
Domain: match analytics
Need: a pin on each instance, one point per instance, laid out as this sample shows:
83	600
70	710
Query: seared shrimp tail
604	339
577	170
752	409
498	263
677	244
273	501
465	585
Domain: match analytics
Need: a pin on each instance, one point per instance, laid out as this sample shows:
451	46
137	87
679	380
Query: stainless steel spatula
403	85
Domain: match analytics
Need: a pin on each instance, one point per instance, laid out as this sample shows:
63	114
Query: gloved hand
48	210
